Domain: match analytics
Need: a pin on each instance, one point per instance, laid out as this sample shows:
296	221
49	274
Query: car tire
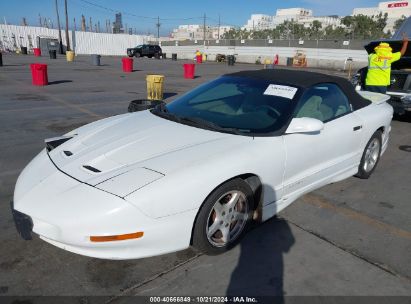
137	54
219	226
370	156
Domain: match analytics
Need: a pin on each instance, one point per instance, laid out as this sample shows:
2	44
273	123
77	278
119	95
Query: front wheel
370	156
224	217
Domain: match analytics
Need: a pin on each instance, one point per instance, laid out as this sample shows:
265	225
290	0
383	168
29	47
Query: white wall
324	58
81	42
106	44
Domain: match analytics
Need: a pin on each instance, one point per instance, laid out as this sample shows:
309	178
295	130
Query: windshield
234	105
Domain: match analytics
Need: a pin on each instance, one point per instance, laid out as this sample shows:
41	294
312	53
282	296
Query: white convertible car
198	170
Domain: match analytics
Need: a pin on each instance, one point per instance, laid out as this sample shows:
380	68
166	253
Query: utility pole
158	28
83	23
75	25
90	26
98	26
204	29
59	28
67	33
40	21
24	22
219	24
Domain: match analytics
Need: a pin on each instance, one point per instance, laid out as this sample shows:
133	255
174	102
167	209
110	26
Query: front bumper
65	213
400	106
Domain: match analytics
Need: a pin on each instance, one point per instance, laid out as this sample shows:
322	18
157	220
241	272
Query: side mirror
305	125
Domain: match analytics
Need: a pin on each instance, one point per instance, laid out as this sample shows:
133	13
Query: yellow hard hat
383	46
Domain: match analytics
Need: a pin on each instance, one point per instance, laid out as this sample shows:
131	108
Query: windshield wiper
211	125
161	110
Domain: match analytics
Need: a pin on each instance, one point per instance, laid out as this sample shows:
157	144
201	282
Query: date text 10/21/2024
203	299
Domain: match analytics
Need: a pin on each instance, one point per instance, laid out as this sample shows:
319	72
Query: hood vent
92	169
67	153
52	143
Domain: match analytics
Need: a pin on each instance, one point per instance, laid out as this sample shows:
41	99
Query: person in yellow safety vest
379	66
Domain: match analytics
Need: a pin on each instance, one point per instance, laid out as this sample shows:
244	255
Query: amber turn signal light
121	237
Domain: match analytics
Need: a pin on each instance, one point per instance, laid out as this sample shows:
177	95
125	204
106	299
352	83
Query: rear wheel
370	156
224	217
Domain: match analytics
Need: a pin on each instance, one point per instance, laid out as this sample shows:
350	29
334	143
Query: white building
325	21
259	22
394	9
298	15
218	32
196	32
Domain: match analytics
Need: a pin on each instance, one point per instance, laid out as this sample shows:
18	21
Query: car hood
120	144
395	44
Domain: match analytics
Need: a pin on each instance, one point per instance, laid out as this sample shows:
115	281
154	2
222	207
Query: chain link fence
318	44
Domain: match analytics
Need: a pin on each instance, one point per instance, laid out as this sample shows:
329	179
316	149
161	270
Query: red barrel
37	52
199	58
127	64
39	74
189	70
276	59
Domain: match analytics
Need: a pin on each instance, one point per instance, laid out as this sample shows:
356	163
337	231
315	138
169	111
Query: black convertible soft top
303	79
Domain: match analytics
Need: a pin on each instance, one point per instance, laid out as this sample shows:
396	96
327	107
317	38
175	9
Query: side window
324	102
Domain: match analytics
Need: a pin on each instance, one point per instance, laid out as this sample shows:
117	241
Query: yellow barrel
204	57
70	55
155	87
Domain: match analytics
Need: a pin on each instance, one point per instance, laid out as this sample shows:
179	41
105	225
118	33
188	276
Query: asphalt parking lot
349	238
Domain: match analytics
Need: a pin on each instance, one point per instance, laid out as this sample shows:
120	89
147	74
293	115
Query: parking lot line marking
57	107
72	106
62	101
320	202
9	172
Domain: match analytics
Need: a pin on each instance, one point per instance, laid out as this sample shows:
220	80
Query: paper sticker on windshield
281	91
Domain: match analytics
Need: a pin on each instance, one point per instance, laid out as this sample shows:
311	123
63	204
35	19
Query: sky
141	14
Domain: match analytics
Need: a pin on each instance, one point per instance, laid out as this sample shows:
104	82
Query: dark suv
400	88
145	50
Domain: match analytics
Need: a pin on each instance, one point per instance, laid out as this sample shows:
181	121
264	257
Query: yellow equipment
155	87
70	56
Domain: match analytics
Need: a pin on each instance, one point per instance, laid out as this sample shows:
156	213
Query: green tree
365	27
399	22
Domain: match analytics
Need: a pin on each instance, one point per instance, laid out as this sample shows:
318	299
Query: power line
133	15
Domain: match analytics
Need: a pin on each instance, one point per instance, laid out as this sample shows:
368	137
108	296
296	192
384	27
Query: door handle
357	128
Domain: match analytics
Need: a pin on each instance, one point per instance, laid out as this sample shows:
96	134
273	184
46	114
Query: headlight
406	99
